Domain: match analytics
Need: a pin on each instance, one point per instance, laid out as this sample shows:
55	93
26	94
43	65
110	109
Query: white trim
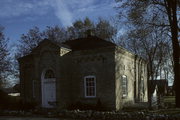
126	86
43	81
89	76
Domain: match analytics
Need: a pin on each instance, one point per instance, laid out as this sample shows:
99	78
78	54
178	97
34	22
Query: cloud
15	8
96	10
62	12
70	10
67	11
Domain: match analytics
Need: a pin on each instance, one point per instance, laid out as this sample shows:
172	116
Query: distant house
12	91
86	70
157	90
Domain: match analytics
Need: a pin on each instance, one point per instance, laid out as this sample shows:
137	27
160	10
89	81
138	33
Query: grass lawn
169	102
169	99
170	111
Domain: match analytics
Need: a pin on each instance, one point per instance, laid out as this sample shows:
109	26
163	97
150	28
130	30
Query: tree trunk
176	54
172	15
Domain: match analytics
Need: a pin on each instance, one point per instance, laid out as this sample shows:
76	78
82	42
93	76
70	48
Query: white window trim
125	95
90	76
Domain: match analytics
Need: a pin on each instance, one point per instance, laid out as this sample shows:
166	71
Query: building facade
85	70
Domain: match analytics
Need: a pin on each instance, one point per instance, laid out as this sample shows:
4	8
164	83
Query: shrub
85	106
14	102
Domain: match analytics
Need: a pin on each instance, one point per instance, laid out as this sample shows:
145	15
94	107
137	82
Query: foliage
29	41
105	30
149	43
4	58
158	15
102	29
79	28
55	33
85	106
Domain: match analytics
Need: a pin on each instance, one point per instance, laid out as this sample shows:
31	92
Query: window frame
33	88
124	77
85	87
142	85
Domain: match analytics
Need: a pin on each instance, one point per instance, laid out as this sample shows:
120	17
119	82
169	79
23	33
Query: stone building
85	70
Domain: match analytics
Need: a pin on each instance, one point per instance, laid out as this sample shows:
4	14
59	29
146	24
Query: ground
169	101
26	118
160	114
169	113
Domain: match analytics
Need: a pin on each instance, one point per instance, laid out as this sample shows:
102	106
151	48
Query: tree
28	41
171	8
102	29
55	33
4	58
150	44
105	30
161	14
79	28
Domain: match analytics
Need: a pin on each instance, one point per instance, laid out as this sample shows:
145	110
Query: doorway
48	85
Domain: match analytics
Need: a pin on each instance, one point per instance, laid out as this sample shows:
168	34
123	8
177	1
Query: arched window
49	74
124	86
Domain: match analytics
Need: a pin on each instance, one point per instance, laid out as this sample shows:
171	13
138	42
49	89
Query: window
90	86
33	88
142	85
124	86
49	74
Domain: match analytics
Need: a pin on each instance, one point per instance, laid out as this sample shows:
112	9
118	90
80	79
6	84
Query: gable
45	44
48	45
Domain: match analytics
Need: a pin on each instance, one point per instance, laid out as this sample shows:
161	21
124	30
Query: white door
48	92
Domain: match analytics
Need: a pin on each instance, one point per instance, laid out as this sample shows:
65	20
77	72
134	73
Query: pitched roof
89	42
47	41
